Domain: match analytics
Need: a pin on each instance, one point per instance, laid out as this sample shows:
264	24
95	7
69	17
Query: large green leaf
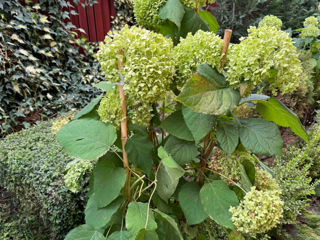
192	22
250	170
227	133
121	235
108	182
202	96
260	136
167	227
84	232
139	150
217	198
105	86
275	111
169	30
87	138
181	151
199	124
100	217
137	220
210	20
147	235
176	126
168	176
189	198
244	179
87	109
212	75
174	11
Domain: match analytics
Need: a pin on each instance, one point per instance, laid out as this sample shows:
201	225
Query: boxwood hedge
31	166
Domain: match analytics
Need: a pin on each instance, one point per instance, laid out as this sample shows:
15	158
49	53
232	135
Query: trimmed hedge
31	166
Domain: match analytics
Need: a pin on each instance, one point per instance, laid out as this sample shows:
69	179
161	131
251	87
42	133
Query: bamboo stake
124	129
226	42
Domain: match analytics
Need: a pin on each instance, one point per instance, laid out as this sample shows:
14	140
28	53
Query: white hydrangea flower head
267	55
110	110
194	50
310	29
75	171
258	212
148	70
271	21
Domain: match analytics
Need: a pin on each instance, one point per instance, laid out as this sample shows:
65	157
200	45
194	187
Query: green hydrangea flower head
146	12
319	7
310	28
109	109
266	56
148	70
75	171
229	165
258	212
271	21
202	47
264	181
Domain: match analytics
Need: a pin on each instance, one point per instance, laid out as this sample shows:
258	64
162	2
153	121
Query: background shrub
31	166
240	14
41	68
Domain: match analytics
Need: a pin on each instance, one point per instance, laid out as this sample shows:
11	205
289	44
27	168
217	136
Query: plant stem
229	179
124	129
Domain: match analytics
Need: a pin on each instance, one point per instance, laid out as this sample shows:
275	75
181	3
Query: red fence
94	20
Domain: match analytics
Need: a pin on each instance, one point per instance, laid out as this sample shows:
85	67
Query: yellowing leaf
22	26
16	88
16	37
36	6
47	36
24	52
49	54
52	44
42	52
44	19
31	69
46	29
32	58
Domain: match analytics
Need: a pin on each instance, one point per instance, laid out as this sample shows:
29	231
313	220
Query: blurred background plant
238	15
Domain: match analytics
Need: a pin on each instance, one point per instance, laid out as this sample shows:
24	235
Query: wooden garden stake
124	128
226	42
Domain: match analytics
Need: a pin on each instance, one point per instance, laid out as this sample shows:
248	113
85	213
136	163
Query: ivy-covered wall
41	68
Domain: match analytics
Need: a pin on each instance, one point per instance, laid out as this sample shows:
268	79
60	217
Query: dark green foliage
124	15
41	68
32	165
239	15
308	229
